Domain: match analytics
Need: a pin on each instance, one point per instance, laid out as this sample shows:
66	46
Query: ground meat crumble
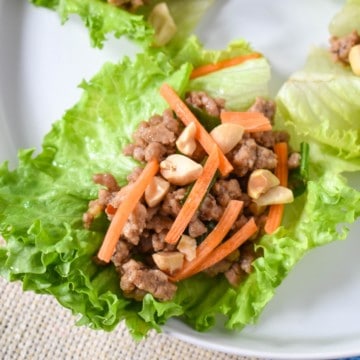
340	46
146	228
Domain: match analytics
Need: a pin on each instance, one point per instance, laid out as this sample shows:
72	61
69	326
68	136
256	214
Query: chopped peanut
260	181
169	261
156	191
276	195
163	23
187	246
180	170
186	141
227	136
354	59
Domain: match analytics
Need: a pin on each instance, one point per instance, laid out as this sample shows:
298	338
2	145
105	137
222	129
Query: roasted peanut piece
260	181
187	246
186	141
354	59
156	191
169	261
163	23
227	136
276	195
180	170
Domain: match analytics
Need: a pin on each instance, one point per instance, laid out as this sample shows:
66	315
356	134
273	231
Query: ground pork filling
340	46
146	228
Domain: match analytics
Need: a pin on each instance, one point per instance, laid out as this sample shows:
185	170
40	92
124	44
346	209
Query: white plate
315	312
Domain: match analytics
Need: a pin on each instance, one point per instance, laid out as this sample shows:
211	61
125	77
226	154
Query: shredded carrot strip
209	68
230	245
226	248
276	211
187	117
274	218
282	171
251	121
225	223
125	209
194	198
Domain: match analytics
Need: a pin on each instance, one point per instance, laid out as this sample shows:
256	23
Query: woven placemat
34	327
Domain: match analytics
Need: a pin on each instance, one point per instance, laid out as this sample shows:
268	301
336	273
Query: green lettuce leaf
249	79
346	20
43	199
103	19
320	104
217	85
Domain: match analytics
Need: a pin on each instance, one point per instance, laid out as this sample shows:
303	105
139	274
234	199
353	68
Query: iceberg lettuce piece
253	75
346	20
217	84
320	104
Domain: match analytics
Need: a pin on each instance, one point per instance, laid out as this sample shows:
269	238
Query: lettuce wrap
42	201
320	103
104	19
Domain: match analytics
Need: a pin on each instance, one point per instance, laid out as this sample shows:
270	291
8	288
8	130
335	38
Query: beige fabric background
34	327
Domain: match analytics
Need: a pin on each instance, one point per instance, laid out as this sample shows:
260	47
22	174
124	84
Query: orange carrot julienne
209	68
226	248
187	117
230	245
276	211
226	221
194	198
251	121
125	209
282	171
274	218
